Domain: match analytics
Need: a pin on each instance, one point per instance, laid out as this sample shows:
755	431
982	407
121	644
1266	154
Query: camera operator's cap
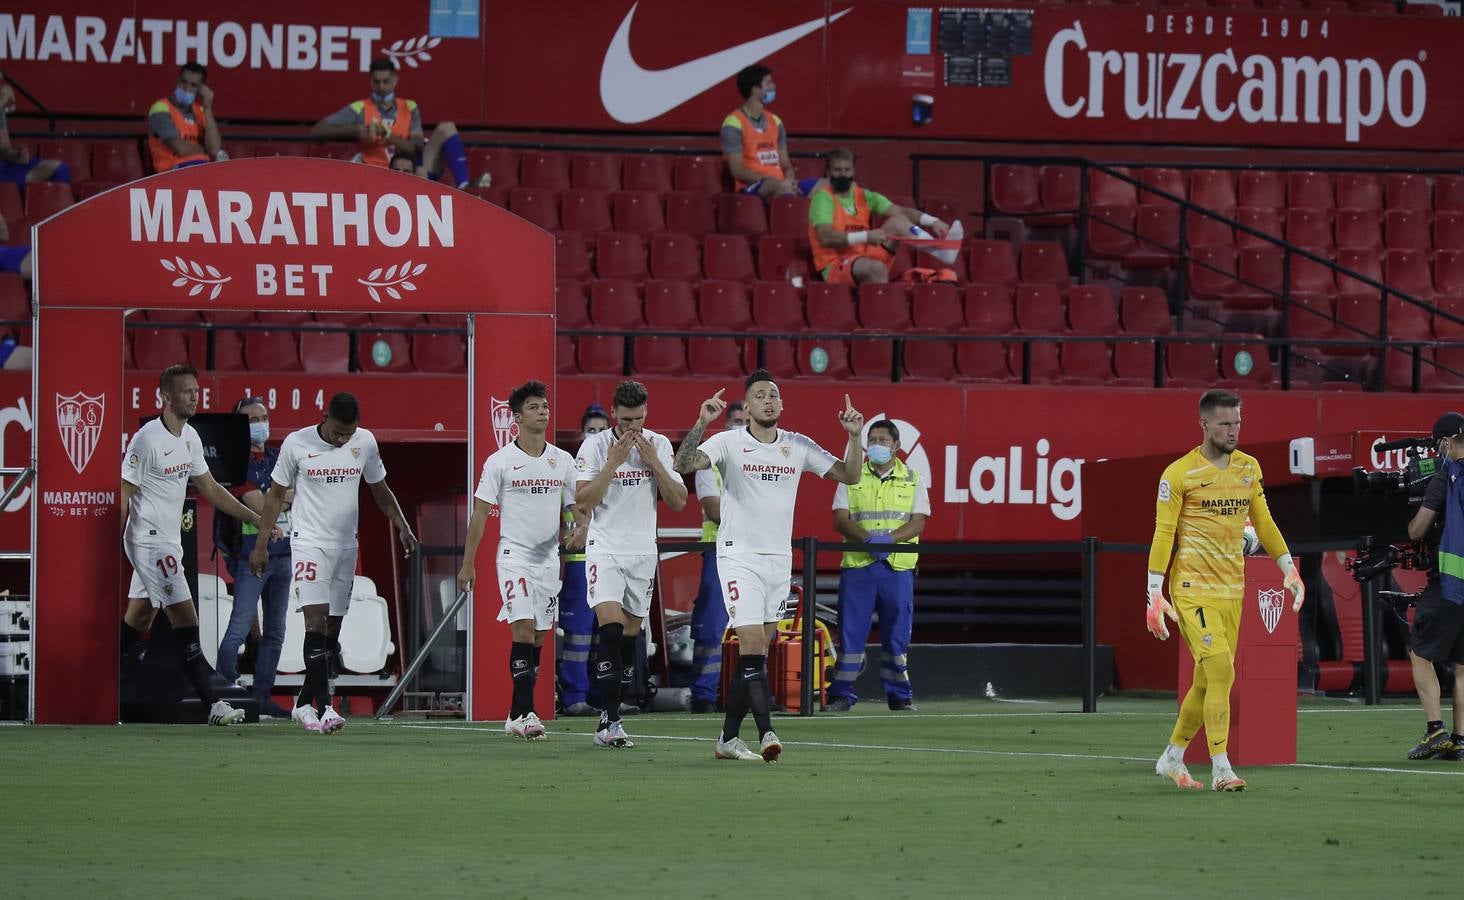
1450	424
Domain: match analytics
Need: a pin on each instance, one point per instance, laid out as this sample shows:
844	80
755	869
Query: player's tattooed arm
690	458
849	468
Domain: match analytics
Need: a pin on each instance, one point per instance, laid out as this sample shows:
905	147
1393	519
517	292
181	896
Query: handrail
21	89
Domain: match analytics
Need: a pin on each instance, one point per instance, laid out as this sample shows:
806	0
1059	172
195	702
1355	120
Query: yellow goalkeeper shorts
1208	630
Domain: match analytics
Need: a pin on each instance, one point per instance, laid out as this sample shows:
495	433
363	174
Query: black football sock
607	670
521	669
190	657
1458	740
130	636
627	665
317	671
1434	725
736	707
754	673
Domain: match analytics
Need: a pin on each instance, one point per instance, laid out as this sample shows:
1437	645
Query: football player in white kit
621	472
760	467
163	456
528	484
326	464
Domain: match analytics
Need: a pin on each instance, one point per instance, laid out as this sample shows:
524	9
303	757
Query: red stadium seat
500	164
777	307
1212	189
496	195
675	256
1091	310
872	360
837	366
14	298
154	349
277	351
1086	362
1449	193
1408	271
638	212
711	357
1170	181
779	256
1106	190
660	356
382	351
172	316
1039	359
616	305
699	174
984	360
1262	219
1060	189
1408	321
547	169
620	256
1133	363
1449	272
727	257
595	171
1206	231
571	303
13	213
1261	277
1309	228
778	357
239	149
1311	317
1015	189
1311	277
1358	229
44	199
286	317
884	307
930	361
571	257
320	351
1398	369
1446	329
1039	309
724	306
936	307
993	262
690	213
1357	317
333	150
1406	229
74	153
1191	363
741	214
1448	230
1310	190
989	309
789	215
1246	361
564	356
1110	231
228	351
535	204
830	308
1157	240
1359	190
943	208
1261	189
116	161
1212	272
1145	311
584	211
1408	191
647	172
670	306
600	354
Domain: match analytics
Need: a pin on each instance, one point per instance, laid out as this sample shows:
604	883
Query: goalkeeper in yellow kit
1205	497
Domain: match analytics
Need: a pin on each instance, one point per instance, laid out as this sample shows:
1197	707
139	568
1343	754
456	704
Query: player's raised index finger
719	393
847	404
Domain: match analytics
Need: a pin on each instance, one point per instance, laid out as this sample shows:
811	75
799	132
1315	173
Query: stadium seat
571	257
929	360
616	305
1060	190
982	360
1359	190
691	213
564	356
1398	373
1086	362
496	195
713	357
1446	329
989	309
1039	309
116	161
728	257
1260	279
44	199
1015	189
946	209
1409	321
638	212
1261	189
500	164
780	256
1091	310
320	351
154	349
1406	229
1408	271
660	356
1310	190
1034	362
75	154
993	262
1408	191
365	636
621	256
1449	193
347	320
837	366
1190	364
1212	189
1357	318
1211	272
585	211
272	351
547	169
1311	317
777	307
741	214
936	308
647	172
1202	230
1262	219
285	317
1144	310
228	351
1157	239
1245	361
333	150
1106	190
14	298
1448	230
789	215
595	171
724	306
872	360
830	308
571	303
778	357
172	316
884	307
1133	363
1358	229
1449	272
380	351
698	174
600	354
670	306
13	212
1310	228
1110	231
535	204
1170	181
1310	276
675	256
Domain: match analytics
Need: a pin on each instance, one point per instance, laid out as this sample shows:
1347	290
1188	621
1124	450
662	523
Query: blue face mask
184	98
878	454
769	96
258	433
384	98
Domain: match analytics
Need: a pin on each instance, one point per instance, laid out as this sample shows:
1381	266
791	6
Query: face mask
258	433
841	183
769	95
184	98
878	454
384	98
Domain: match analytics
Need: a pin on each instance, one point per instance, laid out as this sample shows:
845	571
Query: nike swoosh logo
632	94
169	452
516	468
749	449
313	455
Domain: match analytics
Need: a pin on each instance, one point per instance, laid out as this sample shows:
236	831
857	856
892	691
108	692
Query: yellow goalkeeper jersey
1203	510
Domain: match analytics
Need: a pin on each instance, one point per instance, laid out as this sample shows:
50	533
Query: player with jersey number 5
760	467
1204	499
162	458
528	484
325	464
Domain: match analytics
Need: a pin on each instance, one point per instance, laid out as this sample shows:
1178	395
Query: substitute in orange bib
383	125
847	248
181	127
755	143
1205	497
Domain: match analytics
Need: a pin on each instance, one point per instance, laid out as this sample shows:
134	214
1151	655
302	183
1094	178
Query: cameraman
1438	624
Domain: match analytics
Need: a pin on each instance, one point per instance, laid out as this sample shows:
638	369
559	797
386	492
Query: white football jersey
160	464
760	485
625	521
531	493
327	483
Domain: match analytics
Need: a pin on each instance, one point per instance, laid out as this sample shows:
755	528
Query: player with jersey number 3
1204	499
326	464
760	467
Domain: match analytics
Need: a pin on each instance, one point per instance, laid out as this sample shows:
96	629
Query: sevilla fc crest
79	419
505	429
1272	604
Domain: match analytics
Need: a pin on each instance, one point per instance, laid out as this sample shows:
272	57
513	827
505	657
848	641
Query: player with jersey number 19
163	456
528	484
760	467
1204	498
326	464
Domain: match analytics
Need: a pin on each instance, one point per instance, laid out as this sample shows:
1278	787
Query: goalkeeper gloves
1291	580
1158	608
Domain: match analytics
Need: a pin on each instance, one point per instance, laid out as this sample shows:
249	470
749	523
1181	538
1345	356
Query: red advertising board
1129	75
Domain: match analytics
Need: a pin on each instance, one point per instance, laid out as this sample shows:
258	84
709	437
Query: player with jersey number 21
1204	498
760	467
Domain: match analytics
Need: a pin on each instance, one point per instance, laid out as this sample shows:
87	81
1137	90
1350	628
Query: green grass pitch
961	799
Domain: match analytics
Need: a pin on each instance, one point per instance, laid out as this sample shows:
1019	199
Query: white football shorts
627	580
157	574
529	592
320	576
755	587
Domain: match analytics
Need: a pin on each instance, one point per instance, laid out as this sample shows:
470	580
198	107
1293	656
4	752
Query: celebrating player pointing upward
760	467
1204	499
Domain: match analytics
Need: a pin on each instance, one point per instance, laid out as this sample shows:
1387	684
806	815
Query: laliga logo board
79	418
1271	604
505	429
